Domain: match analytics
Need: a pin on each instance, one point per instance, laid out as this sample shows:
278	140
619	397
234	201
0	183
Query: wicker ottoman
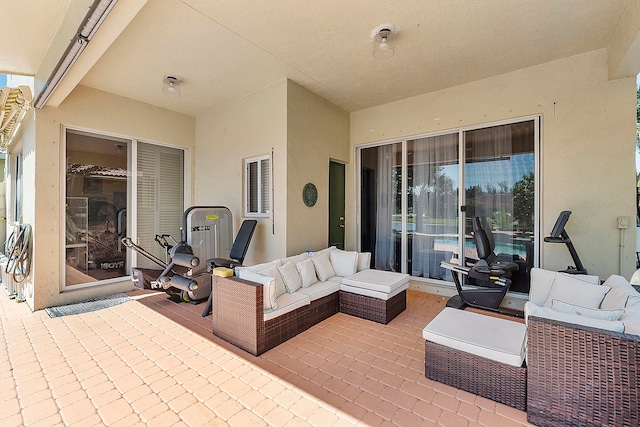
374	295
480	354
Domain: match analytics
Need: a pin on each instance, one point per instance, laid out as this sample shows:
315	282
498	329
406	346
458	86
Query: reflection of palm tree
523	202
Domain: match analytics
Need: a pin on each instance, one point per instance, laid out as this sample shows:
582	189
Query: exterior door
336	205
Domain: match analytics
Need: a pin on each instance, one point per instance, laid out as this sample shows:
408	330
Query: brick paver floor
154	362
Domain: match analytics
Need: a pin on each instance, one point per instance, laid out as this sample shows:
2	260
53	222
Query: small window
257	190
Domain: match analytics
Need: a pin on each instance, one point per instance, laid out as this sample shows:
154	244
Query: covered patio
295	86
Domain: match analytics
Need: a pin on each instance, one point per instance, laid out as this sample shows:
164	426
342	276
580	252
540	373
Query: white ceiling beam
122	14
624	47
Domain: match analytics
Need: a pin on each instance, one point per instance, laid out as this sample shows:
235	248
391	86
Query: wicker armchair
580	376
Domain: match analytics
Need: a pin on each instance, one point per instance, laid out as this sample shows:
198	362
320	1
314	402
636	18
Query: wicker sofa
264	305
582	374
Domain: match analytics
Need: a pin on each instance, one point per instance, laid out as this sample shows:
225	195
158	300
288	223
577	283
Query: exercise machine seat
486	251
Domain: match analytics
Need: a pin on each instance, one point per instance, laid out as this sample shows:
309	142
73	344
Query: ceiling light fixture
384	38
171	86
92	21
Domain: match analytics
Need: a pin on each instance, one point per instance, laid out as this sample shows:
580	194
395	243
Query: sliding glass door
432	204
499	173
413	214
97	178
381	178
117	188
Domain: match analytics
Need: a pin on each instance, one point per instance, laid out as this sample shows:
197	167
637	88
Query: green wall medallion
309	194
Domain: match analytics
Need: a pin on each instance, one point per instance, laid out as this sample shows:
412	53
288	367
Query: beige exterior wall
251	126
304	131
587	138
97	111
317	132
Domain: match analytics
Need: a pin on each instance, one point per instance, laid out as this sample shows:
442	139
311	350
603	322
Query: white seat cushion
490	337
320	289
376	280
286	303
374	294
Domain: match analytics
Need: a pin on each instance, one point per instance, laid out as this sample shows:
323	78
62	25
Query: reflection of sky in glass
483	173
508	171
3	80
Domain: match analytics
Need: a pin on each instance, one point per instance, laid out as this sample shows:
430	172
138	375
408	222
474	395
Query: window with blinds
257	186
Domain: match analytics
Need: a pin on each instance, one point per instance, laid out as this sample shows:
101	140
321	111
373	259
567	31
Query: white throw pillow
344	263
307	272
633	301
364	261
274	273
323	266
619	293
290	276
295	258
269	287
541	284
594	313
574	291
592	280
536	311
322	252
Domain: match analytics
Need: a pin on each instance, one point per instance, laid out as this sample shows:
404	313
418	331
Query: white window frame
264	192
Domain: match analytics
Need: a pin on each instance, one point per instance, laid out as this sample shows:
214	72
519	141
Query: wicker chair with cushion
581	376
583	351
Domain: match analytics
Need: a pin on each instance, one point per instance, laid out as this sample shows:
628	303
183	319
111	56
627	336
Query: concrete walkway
130	365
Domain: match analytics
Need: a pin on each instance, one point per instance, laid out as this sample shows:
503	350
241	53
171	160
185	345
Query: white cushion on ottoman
374	294
376	280
490	337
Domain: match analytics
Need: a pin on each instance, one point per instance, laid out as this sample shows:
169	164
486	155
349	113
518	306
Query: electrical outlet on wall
623	222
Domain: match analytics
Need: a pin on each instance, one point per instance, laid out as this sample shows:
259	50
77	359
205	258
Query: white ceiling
225	49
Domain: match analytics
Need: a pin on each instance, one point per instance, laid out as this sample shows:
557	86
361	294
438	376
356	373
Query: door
499	172
336	205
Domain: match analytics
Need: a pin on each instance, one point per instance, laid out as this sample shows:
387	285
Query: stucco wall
317	132
588	147
251	126
98	111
